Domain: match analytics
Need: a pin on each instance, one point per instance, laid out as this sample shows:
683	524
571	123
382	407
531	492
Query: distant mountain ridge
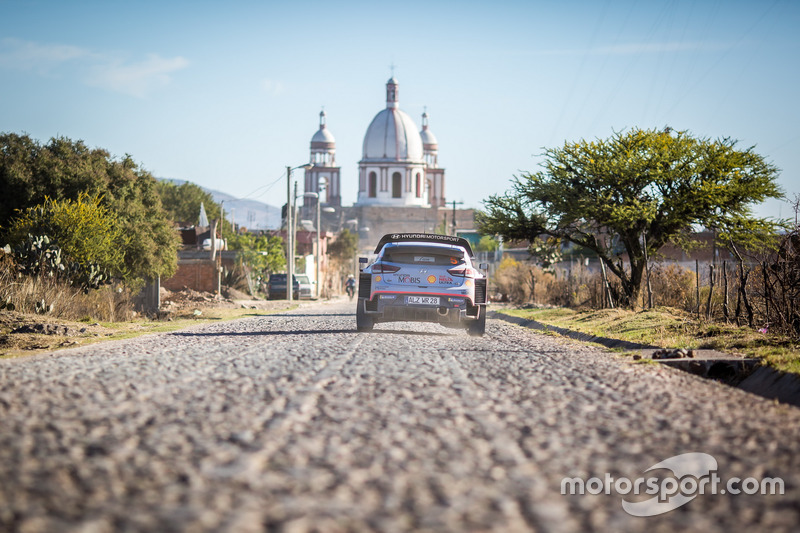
250	214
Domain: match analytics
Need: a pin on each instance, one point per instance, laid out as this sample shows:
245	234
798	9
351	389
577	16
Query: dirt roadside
24	334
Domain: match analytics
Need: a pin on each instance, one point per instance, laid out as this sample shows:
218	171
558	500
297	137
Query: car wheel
363	322
477	327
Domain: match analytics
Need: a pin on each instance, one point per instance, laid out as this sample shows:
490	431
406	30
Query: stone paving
294	422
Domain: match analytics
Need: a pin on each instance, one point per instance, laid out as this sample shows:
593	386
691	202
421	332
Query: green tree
182	202
262	253
487	244
63	169
343	250
644	186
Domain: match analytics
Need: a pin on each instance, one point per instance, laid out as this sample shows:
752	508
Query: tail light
464	271
382	268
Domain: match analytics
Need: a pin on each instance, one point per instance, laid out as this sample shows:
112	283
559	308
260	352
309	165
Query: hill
251	214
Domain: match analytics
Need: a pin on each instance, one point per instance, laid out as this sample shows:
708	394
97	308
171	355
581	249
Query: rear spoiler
424	237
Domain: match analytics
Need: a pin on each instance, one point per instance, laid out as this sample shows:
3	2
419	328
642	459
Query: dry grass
107	313
672	328
79	333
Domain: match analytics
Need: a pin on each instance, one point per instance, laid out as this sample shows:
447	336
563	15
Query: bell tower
324	175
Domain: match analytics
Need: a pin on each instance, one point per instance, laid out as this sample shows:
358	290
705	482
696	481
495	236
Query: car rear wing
424	237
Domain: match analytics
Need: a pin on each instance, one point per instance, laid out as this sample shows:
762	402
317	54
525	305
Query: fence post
647	271
710	290
605	283
725	302
697	284
766	291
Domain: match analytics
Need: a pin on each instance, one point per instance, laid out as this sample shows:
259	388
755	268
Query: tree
487	244
262	253
343	250
626	197
182	202
63	169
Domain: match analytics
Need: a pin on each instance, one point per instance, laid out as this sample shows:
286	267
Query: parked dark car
276	287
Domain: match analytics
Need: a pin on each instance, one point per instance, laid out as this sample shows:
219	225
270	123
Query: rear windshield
423	255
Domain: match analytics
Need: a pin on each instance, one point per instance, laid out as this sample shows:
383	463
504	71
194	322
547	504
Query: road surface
294	422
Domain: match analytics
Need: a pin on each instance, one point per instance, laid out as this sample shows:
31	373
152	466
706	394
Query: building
324	175
393	170
401	186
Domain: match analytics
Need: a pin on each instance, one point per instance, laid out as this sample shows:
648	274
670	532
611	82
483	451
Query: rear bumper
451	311
278	294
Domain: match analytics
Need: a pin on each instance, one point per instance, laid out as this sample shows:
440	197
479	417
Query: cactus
8	305
41	256
42	308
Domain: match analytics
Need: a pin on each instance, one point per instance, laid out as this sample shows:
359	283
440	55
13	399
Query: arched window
373	185
397	185
419	186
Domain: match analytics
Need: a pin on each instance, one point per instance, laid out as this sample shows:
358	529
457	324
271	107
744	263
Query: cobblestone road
294	422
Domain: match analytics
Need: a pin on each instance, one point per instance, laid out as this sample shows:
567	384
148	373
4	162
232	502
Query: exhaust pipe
442	311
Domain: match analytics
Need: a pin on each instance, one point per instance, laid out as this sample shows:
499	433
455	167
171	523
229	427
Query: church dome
429	141
392	134
322	138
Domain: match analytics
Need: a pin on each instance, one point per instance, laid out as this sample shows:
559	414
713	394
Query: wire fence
756	289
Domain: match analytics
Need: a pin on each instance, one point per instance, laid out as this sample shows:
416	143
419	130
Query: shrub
49	295
509	281
673	286
78	241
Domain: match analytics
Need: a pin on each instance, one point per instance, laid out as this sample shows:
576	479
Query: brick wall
197	271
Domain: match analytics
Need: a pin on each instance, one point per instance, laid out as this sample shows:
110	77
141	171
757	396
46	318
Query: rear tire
477	327
363	322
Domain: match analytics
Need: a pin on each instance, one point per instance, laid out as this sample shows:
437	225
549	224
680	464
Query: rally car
422	278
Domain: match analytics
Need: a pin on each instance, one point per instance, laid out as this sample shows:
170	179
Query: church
401	187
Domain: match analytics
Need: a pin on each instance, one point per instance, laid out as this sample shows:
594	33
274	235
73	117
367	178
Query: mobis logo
405	278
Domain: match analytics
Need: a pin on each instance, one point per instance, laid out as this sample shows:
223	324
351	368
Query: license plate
423	300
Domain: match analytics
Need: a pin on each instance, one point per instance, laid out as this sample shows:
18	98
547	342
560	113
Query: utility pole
454	215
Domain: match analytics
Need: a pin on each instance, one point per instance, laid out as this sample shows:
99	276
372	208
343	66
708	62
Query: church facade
401	186
393	170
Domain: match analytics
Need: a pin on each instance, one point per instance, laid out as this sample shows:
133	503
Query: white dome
392	135
322	139
428	139
323	136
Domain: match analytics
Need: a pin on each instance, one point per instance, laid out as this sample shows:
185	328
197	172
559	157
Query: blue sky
228	94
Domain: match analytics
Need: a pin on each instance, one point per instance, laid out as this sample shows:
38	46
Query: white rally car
422	278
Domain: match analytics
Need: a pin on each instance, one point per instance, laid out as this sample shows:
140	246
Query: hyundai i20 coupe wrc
422	278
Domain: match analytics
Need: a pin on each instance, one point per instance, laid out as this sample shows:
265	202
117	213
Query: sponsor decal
445	279
425	237
424	259
431	279
405	278
377	279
